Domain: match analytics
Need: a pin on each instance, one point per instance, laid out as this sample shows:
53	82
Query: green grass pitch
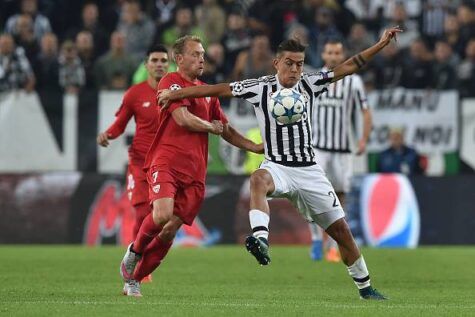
226	281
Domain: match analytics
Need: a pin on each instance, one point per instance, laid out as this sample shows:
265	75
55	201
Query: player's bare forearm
367	124
193	123
232	136
218	90
358	61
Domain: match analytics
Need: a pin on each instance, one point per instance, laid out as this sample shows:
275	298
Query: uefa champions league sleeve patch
175	87
237	88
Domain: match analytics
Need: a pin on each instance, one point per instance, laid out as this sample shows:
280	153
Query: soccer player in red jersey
176	163
139	102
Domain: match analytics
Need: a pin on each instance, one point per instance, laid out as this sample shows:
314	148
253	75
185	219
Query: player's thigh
315	197
262	180
279	184
162	192
188	201
342	171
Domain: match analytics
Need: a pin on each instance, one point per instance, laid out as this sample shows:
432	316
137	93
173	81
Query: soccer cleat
259	248
133	288
127	266
333	255
371	293
316	250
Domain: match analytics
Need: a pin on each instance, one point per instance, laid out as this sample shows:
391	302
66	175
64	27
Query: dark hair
292	45
157	48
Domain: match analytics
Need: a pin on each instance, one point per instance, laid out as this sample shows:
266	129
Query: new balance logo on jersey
146	104
156	188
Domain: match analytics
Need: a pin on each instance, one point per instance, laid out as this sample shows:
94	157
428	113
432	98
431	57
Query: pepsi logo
389	211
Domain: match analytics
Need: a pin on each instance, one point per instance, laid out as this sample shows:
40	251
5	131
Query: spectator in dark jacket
445	76
399	158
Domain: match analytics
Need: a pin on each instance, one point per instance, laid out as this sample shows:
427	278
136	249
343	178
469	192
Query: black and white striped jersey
333	115
289	145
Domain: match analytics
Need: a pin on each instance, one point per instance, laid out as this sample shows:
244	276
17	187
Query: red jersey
140	102
176	147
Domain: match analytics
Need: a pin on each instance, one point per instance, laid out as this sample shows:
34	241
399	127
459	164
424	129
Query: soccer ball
287	106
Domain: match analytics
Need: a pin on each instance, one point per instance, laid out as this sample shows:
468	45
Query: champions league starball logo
175	87
238	87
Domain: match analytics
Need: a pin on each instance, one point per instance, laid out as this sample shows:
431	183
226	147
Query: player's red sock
152	257
141	211
148	230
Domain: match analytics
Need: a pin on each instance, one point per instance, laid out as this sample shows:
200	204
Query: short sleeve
248	89
319	81
173	83
217	112
359	94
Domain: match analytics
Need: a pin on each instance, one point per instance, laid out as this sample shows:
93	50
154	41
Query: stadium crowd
71	45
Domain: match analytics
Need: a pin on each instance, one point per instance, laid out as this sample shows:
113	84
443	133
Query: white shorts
309	191
338	167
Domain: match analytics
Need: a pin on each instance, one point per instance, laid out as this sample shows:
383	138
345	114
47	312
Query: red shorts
137	186
187	192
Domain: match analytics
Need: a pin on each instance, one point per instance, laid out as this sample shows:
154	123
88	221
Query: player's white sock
315	232
259	223
359	273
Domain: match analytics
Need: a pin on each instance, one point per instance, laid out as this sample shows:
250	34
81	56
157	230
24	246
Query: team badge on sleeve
238	87
175	87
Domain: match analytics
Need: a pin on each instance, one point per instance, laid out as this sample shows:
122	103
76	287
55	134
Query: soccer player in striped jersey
332	134
290	169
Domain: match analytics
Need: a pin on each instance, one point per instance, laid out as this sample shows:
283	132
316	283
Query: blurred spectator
214	72
432	19
344	18
359	39
47	66
452	34
279	17
254	62
417	68
445	76
162	12
399	158
184	25
90	23
86	53
15	70
466	19
236	39
322	31
211	19
399	17
71	72
24	36
466	71
388	68
138	30
41	23
114	70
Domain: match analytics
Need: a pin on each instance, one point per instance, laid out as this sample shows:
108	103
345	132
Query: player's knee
339	231
259	182
160	217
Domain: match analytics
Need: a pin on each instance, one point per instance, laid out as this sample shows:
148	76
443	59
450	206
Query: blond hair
179	46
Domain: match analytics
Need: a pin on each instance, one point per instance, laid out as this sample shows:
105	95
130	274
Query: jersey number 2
335	204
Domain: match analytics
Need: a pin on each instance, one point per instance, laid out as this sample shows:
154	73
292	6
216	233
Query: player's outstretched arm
219	90
189	121
232	136
356	62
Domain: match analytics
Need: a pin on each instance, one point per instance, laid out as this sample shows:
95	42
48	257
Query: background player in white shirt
333	136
